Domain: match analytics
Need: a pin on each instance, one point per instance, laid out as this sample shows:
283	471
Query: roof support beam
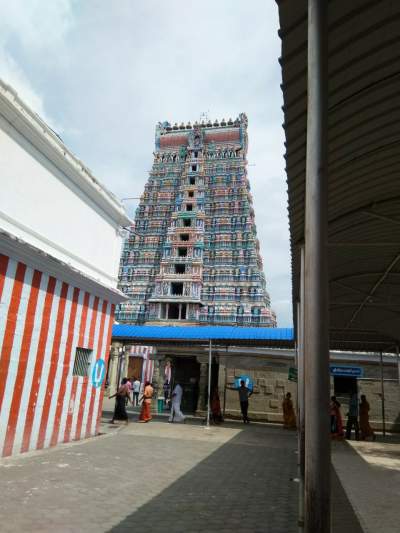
366	210
381	217
362	244
372	291
316	316
359	275
347	287
371	304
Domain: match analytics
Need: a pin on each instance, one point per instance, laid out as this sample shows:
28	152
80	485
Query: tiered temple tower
193	255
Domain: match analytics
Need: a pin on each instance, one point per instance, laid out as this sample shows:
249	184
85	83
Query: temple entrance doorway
186	372
344	387
135	367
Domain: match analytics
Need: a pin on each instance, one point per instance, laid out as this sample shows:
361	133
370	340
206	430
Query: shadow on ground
344	519
242	486
133	417
245	485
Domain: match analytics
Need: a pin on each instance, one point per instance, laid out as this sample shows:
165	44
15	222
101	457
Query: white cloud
107	72
12	74
29	28
35	24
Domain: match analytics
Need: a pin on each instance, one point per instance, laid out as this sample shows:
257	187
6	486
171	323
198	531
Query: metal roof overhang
364	164
201	335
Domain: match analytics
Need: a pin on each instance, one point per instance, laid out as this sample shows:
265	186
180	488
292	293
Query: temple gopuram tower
192	256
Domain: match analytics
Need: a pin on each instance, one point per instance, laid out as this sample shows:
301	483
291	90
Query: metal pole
316	314
226	379
382	396
119	368
209	383
398	364
300	390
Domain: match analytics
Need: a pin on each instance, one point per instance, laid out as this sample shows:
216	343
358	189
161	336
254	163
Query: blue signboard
247	381
98	373
347	371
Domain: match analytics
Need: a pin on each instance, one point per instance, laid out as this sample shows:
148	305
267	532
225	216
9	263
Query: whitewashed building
60	243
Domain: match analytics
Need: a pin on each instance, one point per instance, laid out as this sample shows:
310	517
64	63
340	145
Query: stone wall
372	389
271	385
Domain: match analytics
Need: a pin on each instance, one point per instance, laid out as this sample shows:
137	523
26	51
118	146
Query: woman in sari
145	413
366	429
122	397
216	408
336	419
289	416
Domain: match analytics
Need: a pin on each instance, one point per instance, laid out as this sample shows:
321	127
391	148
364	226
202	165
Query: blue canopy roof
220	334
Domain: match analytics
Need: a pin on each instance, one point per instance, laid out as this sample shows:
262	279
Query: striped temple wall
42	322
148	364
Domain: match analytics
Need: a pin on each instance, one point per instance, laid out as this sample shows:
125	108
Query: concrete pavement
162	477
370	473
188	479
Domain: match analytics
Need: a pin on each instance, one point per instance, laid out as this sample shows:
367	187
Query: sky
102	74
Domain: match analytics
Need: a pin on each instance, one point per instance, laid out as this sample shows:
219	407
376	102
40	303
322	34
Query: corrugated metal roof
364	161
219	334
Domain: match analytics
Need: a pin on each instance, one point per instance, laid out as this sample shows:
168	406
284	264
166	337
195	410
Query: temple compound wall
58	289
271	385
271	375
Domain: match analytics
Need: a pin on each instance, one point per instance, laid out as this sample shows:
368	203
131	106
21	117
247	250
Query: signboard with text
346	371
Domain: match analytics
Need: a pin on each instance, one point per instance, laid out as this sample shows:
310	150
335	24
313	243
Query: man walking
244	395
166	390
136	391
176	398
130	389
352	417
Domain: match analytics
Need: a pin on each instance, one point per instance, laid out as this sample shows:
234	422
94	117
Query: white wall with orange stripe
43	320
60	241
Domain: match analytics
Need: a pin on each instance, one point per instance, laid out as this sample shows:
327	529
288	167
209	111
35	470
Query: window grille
83	358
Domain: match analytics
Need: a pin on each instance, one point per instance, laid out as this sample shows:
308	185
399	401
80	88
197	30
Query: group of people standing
357	417
129	392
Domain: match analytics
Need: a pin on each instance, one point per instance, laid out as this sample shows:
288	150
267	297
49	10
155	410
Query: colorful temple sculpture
193	256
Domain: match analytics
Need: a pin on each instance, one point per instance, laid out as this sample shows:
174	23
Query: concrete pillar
382	394
316	314
300	391
157	376
126	365
115	351
202	401
209	382
161	377
221	384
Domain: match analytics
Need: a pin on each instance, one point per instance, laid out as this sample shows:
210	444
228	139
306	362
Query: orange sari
366	429
145	413
289	417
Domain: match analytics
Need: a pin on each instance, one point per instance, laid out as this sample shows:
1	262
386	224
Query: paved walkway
163	477
370	473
